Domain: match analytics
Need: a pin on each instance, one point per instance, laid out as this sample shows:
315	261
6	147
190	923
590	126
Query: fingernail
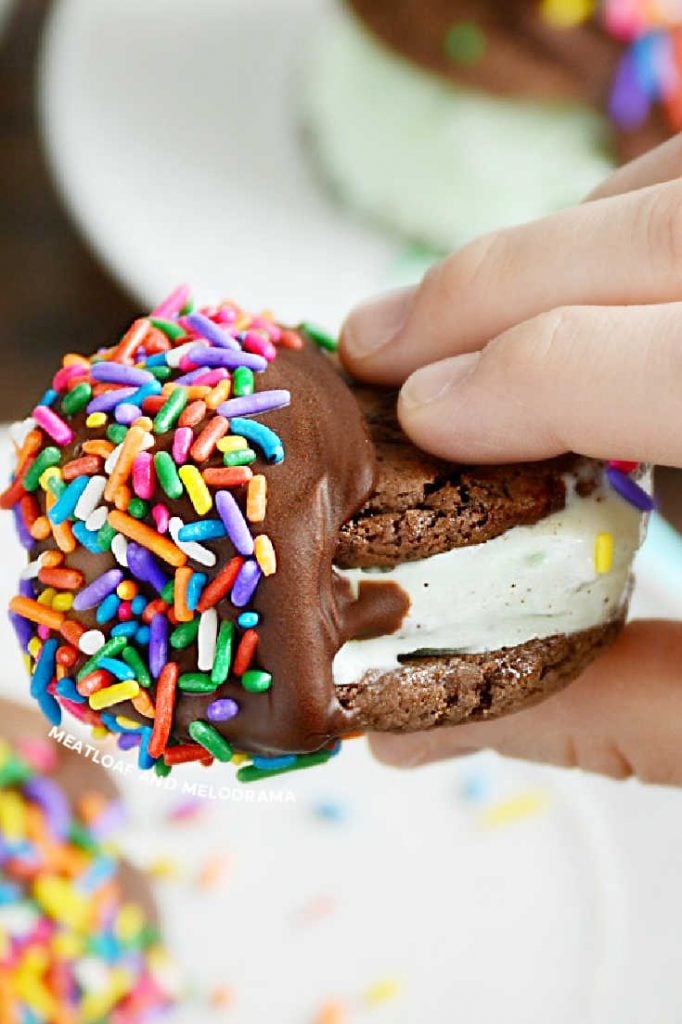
375	323
432	383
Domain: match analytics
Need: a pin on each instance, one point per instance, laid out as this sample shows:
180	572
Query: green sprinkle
111	649
465	43
168	592
105	536
185	634
320	337
116	433
57	486
132	658
162	769
81	837
223	653
168	327
49	456
249	773
244	457
137	508
168	414
14	772
196	682
210	738
256	681
160	372
167	472
77	399
242	381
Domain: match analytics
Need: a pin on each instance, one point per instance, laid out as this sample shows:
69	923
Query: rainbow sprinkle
649	72
170	412
71	949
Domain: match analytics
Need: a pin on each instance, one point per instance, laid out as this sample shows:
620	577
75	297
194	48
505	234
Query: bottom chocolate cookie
430	691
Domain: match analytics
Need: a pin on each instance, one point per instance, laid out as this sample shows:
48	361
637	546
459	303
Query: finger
600	381
614	251
623	717
664	163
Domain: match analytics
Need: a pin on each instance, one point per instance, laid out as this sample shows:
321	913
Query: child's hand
561	335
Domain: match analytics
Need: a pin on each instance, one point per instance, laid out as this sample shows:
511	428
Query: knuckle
662	228
454	278
537	347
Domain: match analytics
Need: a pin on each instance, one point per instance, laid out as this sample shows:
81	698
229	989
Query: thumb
622	718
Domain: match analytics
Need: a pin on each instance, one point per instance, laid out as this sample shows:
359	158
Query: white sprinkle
30	572
191	548
20	430
174	357
91	497
97	519
91	642
119	549
208	634
110	464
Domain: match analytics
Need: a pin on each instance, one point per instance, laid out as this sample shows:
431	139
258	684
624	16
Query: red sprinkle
89	465
231	476
221	585
165	705
186	752
245	652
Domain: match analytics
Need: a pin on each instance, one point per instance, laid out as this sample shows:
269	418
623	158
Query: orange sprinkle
331	1012
102	448
33	442
230	476
122	497
29	509
127	590
41	528
265	554
89	465
67	656
131	341
35	612
192	414
144	422
357	735
143	704
134	443
195	392
74	359
182	578
245	652
62	579
148	538
204	446
290	339
256	499
72	631
51	559
219	394
156	607
63	534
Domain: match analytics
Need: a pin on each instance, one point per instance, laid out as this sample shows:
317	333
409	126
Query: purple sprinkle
26	588
234	522
99	589
261	401
126	413
222	710
629	104
110	399
23	533
189	378
23	629
145	567
202	355
158	644
246	583
128	740
630	490
51	798
117	373
201	325
112	818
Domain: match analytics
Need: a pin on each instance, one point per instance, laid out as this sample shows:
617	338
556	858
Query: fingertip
432	405
368	332
396	751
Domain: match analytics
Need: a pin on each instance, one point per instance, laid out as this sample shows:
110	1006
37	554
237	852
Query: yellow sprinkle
382	991
51	473
114	694
256	498
233	443
164	867
99	732
603	553
198	492
37	997
62	602
96	419
130	922
68	945
47	596
127	723
97	1006
242	323
127	590
567	13
265	554
35	646
27	663
12	816
525	805
61	901
240	758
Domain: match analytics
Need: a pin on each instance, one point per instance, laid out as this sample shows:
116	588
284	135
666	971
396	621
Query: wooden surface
54	296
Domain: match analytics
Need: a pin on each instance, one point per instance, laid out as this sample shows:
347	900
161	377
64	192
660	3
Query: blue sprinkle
108	609
195	588
268	764
139	604
67	688
330	810
125	628
202	529
113	726
68	500
144	761
158	359
9	892
44	670
88	538
50	708
101	871
247	620
266	439
49	397
142	635
138	397
117	668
